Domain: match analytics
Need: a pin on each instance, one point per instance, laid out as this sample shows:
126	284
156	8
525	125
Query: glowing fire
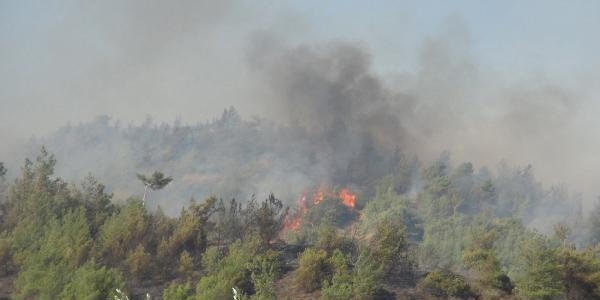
293	221
348	199
319	195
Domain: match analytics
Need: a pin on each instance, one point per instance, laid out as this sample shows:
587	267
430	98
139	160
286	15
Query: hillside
460	234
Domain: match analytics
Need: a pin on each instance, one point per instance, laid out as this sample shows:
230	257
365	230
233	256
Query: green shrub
265	268
178	291
227	272
340	288
92	282
186	264
312	269
138	262
444	284
366	276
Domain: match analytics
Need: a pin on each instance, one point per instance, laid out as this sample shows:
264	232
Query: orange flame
293	221
348	199
319	195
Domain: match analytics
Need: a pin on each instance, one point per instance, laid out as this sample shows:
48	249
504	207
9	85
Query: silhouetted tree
156	181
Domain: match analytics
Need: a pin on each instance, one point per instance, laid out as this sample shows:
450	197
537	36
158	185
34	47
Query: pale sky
68	61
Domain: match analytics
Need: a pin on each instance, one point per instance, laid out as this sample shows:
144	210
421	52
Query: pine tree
389	247
481	257
541	269
154	182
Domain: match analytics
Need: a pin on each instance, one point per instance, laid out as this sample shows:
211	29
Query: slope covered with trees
461	234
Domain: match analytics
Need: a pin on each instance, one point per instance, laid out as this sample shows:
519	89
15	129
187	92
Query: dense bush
67	241
93	282
445	284
312	269
178	291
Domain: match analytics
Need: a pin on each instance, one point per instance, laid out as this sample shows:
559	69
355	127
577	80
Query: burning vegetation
294	220
422	230
322	196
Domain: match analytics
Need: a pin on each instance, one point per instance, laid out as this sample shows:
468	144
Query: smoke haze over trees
299	150
343	92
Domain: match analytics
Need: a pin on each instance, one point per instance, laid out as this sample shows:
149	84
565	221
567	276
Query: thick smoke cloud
339	118
355	118
330	94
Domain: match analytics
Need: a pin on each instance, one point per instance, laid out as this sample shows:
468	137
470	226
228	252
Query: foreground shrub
444	284
229	271
92	282
312	269
178	291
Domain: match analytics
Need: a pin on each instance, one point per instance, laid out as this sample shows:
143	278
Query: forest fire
293	221
319	195
348	199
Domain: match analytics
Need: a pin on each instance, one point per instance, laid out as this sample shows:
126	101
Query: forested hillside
232	157
295	150
418	230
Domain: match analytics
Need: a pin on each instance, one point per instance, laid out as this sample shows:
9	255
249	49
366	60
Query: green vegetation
156	181
445	284
460	235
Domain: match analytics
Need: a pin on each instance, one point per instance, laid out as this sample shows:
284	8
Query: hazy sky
69	61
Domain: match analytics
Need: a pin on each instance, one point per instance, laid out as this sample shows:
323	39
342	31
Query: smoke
338	117
354	118
330	95
70	62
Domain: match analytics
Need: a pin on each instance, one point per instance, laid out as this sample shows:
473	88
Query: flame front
319	195
293	221
348	199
